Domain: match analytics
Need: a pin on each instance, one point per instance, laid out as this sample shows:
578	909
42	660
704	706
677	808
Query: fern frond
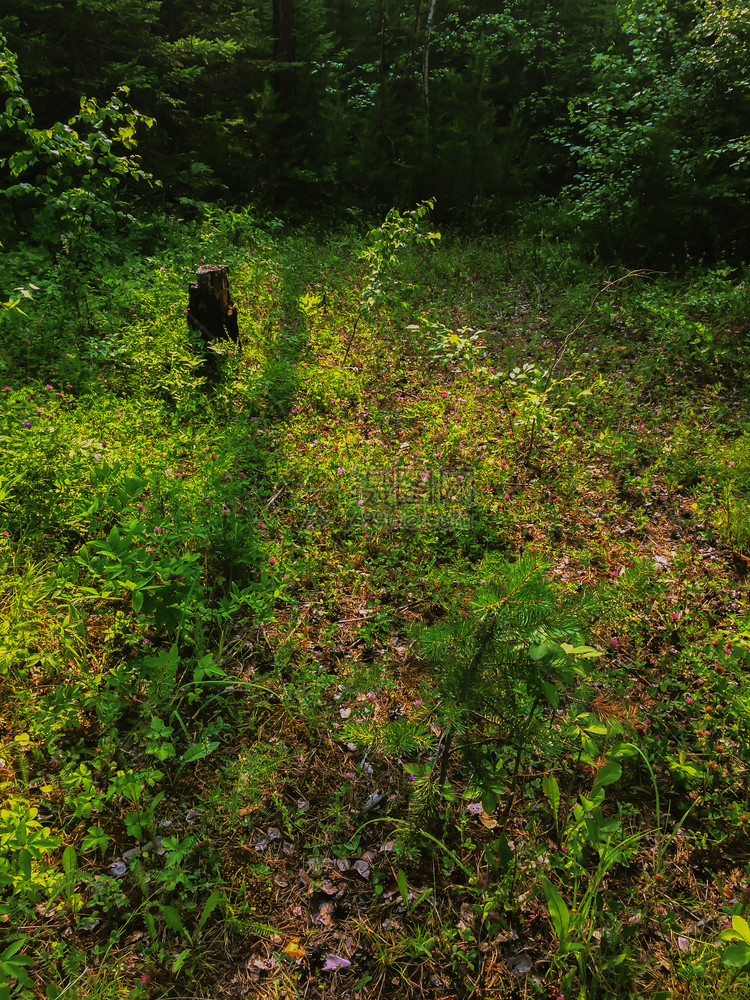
257	928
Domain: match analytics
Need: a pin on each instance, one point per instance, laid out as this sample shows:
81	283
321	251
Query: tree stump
211	310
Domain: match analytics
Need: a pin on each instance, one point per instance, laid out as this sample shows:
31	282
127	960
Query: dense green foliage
628	120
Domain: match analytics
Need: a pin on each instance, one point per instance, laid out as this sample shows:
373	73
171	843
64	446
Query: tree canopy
623	122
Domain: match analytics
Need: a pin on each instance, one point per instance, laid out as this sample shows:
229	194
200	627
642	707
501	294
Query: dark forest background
626	125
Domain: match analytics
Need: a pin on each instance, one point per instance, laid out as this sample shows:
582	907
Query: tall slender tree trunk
285	82
418	10
426	62
382	69
71	26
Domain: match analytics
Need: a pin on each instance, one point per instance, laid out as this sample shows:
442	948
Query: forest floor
404	656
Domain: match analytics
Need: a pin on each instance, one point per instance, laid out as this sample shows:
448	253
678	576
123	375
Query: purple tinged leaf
334	962
362	868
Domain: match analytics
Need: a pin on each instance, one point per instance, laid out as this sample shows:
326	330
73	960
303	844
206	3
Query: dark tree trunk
426	63
382	72
211	310
284	53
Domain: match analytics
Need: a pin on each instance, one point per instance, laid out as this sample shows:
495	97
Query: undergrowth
406	657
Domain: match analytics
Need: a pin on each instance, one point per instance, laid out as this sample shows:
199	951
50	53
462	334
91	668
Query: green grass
251	735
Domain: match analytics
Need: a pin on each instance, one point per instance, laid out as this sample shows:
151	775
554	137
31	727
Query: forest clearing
408	657
377	628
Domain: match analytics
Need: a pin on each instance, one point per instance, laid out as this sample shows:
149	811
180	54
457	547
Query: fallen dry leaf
294	949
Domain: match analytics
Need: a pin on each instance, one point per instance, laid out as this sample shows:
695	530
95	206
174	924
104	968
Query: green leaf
538	651
173	920
198	751
69	862
583	652
550	692
12	965
134	486
740	925
558	911
180	960
448	792
214	900
609	773
736	956
504	851
590	724
403	886
24	864
12	948
137	600
552	791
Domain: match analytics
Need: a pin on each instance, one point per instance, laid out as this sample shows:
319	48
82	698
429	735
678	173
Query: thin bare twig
606	287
